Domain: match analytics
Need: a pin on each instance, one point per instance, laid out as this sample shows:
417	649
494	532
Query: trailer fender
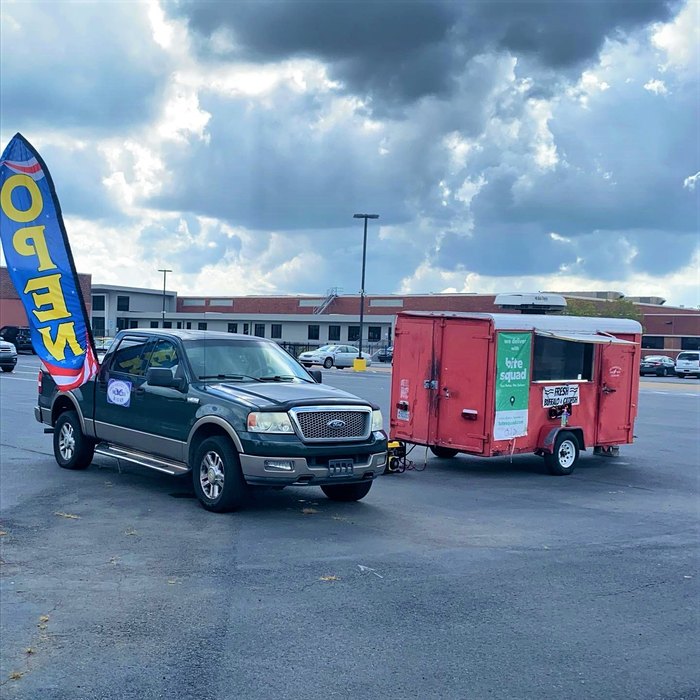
548	436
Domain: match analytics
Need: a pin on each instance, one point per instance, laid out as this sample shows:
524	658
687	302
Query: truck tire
564	456
217	477
443	452
347	492
71	448
7	368
328	362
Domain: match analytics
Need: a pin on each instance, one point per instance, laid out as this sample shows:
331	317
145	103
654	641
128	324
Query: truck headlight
269	423
377	421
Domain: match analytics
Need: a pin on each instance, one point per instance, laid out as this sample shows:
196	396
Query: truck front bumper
288	471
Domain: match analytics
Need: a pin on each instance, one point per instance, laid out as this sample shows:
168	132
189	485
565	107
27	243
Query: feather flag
41	267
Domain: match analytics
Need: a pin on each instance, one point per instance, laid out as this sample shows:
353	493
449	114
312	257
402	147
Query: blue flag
41	267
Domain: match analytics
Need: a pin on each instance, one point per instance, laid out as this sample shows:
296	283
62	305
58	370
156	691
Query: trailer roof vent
538	303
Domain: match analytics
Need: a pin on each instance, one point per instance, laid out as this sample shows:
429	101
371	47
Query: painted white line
20	379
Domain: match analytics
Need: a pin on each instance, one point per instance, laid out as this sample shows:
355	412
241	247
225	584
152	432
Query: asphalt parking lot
471	579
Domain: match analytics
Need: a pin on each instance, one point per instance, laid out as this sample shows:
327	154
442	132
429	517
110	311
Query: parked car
8	356
660	365
385	354
688	364
233	411
102	346
19	336
339	356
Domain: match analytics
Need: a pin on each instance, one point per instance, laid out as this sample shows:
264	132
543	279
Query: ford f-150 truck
235	410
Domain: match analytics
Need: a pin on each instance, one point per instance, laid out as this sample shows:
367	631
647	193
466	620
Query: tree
619	308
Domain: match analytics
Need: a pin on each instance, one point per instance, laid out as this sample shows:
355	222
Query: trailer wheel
443	452
564	456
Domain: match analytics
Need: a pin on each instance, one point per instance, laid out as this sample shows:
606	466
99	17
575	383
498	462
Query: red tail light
38	380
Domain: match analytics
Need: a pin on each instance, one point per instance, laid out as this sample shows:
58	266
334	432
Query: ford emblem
336	424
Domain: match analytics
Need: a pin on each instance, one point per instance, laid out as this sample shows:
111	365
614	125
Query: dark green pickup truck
235	410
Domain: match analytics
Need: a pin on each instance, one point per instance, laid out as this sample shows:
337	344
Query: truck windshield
242	360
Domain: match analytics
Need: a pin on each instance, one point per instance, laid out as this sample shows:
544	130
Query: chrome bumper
296	470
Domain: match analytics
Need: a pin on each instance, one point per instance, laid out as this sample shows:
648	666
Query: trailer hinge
430	384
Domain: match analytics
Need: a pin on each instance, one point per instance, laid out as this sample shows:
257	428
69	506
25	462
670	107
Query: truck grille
329	425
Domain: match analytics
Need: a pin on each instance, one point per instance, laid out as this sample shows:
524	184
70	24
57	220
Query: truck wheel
328	362
5	368
217	477
443	452
347	492
565	455
71	448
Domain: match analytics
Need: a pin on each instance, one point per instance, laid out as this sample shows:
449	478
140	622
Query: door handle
608	390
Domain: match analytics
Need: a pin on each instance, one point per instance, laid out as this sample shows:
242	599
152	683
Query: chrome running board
160	464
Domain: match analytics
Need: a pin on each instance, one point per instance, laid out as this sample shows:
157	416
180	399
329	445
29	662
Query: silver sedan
339	356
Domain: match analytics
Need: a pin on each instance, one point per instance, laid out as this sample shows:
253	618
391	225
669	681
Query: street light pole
165	273
364	257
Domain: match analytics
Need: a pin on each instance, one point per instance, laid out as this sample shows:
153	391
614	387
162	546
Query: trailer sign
560	395
512	385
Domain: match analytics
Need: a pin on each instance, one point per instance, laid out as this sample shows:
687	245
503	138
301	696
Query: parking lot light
362	287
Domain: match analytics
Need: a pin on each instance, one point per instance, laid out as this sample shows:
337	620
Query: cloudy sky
509	145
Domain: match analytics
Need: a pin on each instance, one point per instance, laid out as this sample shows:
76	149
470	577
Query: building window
233	328
133	323
122	323
276	330
98	325
179	324
246	329
653	342
562	360
353	334
690	343
122	303
98	302
333	332
188	325
167	324
154	324
313	331
374	334
202	326
260	330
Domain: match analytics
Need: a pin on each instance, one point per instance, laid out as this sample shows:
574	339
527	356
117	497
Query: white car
688	364
333	356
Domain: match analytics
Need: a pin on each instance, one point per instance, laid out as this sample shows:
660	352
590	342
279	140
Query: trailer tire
562	460
443	452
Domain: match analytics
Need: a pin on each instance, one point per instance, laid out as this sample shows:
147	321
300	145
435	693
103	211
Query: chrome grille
324	425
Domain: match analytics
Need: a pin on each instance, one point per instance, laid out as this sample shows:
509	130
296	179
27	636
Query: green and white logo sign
512	385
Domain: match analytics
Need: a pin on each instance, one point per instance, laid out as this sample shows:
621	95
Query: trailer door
414	380
462	389
615	382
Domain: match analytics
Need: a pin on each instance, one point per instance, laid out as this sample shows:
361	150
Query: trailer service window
557	360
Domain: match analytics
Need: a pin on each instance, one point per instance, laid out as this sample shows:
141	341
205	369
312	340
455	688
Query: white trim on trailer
539	322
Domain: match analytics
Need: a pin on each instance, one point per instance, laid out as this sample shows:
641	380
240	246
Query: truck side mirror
316	374
162	376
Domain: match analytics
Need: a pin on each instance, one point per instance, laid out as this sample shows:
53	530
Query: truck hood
282	395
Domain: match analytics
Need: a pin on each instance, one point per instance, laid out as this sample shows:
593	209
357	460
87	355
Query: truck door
615	381
414	380
462	387
171	415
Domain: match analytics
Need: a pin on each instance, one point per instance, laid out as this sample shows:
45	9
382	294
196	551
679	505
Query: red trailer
503	384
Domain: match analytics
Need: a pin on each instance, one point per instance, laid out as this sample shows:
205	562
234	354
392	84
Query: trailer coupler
396	461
